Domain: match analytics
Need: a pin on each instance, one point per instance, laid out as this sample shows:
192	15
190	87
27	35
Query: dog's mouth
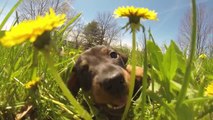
117	104
115	107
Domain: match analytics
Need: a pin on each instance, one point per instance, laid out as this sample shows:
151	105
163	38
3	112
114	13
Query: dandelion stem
191	56
84	114
133	63
144	77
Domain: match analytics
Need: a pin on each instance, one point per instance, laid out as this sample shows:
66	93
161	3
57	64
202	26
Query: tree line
104	30
204	38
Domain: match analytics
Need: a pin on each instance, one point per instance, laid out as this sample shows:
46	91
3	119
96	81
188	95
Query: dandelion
32	83
209	89
133	12
38	32
32	29
203	56
135	15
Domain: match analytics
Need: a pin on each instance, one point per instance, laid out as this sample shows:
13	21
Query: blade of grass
183	91
83	113
68	24
151	36
144	77
170	110
58	103
198	100
132	78
2	32
206	112
9	14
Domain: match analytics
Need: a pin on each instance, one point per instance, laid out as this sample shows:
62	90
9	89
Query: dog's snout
114	84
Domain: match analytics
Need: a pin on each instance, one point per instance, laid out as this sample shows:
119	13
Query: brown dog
103	73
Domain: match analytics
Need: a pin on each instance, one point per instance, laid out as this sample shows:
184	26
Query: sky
170	14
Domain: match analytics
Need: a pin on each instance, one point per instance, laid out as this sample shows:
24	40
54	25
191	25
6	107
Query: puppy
102	72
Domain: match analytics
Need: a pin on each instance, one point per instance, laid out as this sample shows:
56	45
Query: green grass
17	67
46	100
49	102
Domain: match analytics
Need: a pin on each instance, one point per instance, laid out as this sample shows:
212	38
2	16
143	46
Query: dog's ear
84	76
138	79
73	82
80	77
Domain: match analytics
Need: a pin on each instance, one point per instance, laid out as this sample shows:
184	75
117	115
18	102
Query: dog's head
101	71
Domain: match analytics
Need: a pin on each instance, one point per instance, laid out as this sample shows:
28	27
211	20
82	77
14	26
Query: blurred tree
29	9
204	31
109	29
76	34
101	31
210	43
91	34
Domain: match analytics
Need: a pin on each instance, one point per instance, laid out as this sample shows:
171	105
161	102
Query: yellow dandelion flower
31	29
135	13
32	83
209	89
203	56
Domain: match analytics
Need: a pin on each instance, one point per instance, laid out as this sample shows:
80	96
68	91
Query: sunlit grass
177	89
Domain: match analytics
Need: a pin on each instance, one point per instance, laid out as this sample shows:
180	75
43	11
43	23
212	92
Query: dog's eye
113	55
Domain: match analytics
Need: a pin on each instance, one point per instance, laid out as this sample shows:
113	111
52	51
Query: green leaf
170	62
181	58
177	86
17	64
209	76
156	56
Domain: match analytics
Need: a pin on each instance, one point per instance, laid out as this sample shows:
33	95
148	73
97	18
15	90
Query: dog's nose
114	83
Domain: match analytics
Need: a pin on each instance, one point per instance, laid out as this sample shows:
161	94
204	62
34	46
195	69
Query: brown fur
103	73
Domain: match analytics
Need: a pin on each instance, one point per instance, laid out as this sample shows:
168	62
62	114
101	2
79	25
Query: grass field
31	89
